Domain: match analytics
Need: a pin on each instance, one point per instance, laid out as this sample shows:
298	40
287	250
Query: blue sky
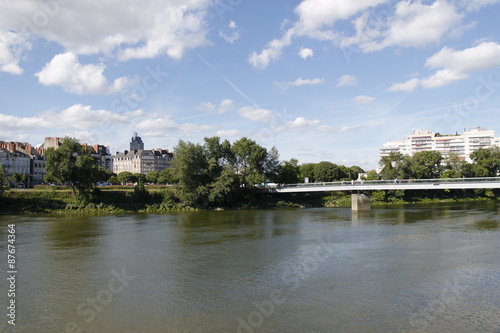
320	80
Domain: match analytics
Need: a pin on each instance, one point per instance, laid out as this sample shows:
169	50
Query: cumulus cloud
77	117
134	30
347	81
224	106
299	82
12	47
414	24
162	125
313	17
362	99
301	123
65	71
454	65
305	53
230	33
256	114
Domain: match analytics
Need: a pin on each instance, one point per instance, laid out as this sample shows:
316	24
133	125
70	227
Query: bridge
361	202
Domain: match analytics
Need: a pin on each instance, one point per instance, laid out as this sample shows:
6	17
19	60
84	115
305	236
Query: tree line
218	172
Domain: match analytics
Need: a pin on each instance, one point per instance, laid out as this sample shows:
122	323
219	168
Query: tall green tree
289	172
72	163
395	166
3	180
152	177
426	165
455	167
487	161
327	172
307	171
250	161
126	177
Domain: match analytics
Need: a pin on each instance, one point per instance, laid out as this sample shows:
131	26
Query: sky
320	80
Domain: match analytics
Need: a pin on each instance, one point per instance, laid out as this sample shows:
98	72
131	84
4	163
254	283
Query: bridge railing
395	182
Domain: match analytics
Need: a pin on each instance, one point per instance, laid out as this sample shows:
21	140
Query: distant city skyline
320	80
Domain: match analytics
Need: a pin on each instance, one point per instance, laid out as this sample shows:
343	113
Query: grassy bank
166	199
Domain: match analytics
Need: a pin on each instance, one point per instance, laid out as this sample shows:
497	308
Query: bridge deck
404	184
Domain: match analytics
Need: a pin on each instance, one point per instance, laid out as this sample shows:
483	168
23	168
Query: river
426	268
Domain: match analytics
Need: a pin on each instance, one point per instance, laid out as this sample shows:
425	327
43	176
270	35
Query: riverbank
163	200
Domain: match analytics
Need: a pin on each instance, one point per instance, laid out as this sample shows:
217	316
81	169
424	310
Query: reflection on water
393	269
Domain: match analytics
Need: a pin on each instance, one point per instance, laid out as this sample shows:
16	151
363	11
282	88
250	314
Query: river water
432	268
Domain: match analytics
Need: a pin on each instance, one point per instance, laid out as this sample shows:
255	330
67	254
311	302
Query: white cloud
299	82
256	114
230	33
454	65
133	30
162	125
477	4
65	71
414	24
347	81
77	116
272	52
313	16
12	47
228	133
305	53
407	86
300	123
362	99
224	106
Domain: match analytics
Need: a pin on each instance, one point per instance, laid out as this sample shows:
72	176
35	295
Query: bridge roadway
398	184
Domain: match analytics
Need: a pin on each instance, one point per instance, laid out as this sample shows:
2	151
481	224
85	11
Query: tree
166	176
250	160
16	178
426	165
72	163
487	161
289	172
25	179
125	177
395	166
152	177
354	171
307	171
3	180
455	167
327	172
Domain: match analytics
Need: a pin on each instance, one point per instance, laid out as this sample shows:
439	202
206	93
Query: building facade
425	140
22	158
142	161
136	143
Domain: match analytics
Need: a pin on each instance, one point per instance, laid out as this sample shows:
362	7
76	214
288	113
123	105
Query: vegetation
72	163
3	180
220	174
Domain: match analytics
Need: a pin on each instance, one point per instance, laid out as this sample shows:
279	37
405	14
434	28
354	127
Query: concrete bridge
361	201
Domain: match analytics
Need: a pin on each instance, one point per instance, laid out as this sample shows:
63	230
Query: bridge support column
360	202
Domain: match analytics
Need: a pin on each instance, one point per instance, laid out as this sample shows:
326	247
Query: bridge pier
360	202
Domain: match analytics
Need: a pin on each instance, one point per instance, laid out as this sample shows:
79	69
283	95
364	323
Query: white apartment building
425	140
142	161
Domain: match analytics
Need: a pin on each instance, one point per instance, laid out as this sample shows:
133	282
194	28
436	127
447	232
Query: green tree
426	165
3	180
487	161
252	162
354	171
16	178
25	180
152	177
455	167
307	171
289	172
327	172
166	176
72	163
395	166
125	177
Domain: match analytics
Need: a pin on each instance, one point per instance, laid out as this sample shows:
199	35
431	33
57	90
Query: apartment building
22	158
142	161
425	140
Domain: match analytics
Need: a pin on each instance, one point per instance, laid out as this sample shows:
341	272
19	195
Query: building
136	143
100	152
425	140
22	158
142	161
